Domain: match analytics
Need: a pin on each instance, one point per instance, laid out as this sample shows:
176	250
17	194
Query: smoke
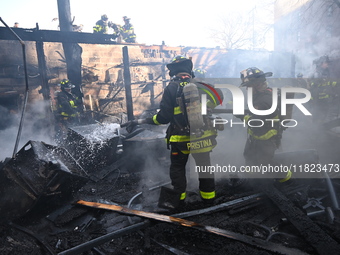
36	127
147	155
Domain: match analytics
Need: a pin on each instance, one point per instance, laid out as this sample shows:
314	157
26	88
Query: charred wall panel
38	171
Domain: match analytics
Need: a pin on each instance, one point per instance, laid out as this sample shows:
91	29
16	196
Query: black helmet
199	73
104	17
253	75
66	84
319	61
180	64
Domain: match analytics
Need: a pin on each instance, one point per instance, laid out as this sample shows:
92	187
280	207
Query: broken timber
310	231
186	223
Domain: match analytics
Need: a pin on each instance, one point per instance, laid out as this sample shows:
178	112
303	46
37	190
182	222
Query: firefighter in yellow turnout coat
263	140
180	135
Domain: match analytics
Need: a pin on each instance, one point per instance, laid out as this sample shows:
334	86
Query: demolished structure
97	191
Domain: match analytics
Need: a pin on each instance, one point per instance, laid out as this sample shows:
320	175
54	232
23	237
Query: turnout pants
178	172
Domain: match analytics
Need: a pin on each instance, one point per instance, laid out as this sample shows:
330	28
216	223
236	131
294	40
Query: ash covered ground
296	218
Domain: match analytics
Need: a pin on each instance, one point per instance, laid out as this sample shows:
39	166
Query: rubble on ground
42	185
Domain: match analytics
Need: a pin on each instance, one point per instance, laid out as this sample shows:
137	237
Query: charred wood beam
311	232
42	69
57	36
64	12
163	74
112	99
273	247
45	89
127	83
72	51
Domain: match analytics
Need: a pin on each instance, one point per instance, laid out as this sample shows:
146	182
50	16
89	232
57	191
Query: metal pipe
103	239
26	82
140	193
332	193
310	214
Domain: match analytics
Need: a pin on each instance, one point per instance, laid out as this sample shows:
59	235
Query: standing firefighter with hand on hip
189	131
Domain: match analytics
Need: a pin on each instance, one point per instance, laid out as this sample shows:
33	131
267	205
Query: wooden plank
274	247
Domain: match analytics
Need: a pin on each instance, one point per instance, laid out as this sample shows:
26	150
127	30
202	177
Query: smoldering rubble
102	163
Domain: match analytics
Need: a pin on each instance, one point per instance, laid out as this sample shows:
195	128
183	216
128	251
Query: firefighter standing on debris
263	140
325	101
127	31
68	107
180	139
101	26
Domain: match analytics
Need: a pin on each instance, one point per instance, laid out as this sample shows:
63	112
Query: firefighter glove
132	124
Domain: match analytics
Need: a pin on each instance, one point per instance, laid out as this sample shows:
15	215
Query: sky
176	22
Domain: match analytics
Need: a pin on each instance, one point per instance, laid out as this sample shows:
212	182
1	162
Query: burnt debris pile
40	173
98	193
93	146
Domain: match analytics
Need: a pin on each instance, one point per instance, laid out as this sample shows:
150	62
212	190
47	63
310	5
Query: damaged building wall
102	71
102	74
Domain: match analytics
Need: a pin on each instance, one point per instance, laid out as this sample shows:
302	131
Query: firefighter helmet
199	73
253	75
104	17
321	60
66	84
180	64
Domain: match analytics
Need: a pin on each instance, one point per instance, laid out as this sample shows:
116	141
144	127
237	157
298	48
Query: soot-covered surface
268	216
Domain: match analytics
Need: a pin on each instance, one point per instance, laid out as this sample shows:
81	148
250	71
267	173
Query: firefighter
301	82
101	26
323	90
180	141
264	137
67	106
127	31
199	73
